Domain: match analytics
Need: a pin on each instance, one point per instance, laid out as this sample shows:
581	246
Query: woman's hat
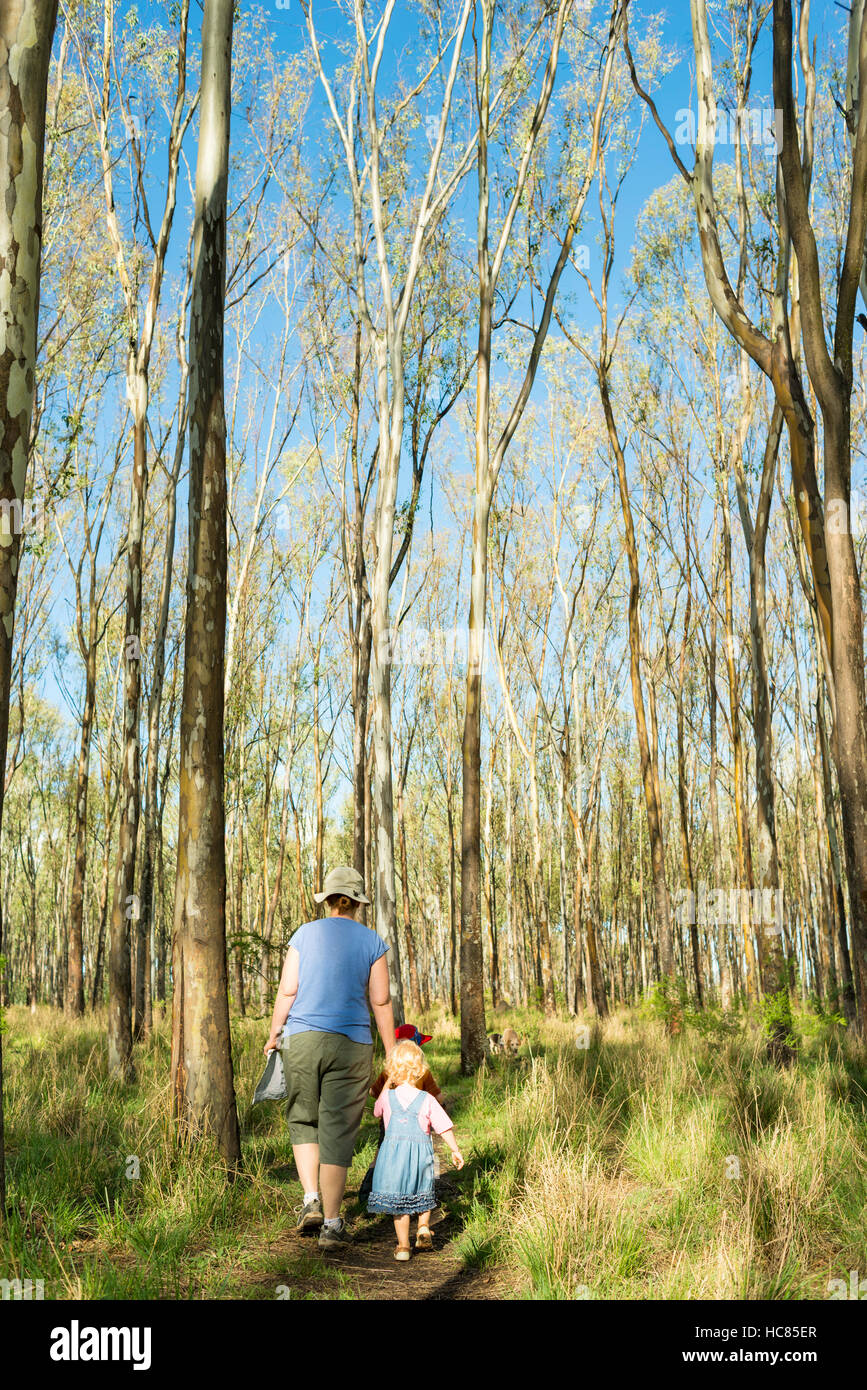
343	881
409	1030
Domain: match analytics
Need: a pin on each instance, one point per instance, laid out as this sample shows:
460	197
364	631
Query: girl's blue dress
403	1179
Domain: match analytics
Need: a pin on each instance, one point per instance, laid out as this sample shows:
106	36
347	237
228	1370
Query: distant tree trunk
836	868
26	35
647	754
472	993
146	932
414	992
238	896
317	774
99	955
510	932
775	981
683	806
564	905
360	784
577	905
368	822
385	905
358	603
540	897
806	890
726	983
745	869
268	928
490	887
202	1076
75	965
125	905
453	948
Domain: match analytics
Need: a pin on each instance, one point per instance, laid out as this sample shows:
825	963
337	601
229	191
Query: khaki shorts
327	1080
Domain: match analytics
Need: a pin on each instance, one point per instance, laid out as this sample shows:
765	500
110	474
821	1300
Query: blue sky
652	168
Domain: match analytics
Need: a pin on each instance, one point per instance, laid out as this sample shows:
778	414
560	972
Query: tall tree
202	1077
775	353
831	374
140	335
488	461
26	35
363	134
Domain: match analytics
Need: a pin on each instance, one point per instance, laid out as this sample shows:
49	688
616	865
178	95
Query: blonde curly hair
405	1063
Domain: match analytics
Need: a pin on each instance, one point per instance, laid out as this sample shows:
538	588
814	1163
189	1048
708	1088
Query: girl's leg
423	1239
401	1230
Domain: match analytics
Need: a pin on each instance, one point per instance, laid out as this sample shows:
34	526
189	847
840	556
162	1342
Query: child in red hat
407	1032
403	1182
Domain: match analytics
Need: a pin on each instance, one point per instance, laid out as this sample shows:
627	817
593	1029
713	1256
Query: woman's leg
333	1182
307	1163
302	1105
344	1070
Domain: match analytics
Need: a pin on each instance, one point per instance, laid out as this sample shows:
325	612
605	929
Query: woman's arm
285	997
379	994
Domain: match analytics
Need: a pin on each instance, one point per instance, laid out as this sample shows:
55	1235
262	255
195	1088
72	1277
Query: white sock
310	1197
333	1223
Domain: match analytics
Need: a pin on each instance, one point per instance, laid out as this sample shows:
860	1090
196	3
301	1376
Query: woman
333	968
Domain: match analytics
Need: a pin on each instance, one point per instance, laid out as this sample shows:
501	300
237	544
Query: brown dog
511	1042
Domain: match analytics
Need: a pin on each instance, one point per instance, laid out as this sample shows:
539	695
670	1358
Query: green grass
639	1167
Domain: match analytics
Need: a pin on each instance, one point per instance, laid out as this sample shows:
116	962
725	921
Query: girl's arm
285	998
439	1120
457	1157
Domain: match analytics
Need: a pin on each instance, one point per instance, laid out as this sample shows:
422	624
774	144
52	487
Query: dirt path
369	1270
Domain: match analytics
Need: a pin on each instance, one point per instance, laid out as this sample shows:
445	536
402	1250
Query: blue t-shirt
335	956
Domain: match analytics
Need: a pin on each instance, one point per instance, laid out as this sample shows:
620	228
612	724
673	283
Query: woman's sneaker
310	1219
334	1237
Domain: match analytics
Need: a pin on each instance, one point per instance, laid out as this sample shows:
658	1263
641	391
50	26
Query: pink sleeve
435	1116
381	1108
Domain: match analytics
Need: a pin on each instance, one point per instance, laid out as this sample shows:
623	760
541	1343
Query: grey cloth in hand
272	1085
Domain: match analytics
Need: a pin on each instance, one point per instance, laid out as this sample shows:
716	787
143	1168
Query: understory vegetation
605	1162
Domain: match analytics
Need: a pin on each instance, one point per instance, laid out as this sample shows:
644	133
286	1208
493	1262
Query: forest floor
368	1270
604	1163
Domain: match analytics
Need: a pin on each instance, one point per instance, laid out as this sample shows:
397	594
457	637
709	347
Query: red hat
409	1030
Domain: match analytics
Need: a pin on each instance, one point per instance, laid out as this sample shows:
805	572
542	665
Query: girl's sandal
403	1252
423	1239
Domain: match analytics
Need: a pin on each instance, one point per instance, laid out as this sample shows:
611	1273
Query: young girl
427	1083
403	1179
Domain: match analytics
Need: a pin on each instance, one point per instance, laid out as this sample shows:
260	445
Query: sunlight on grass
634	1167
